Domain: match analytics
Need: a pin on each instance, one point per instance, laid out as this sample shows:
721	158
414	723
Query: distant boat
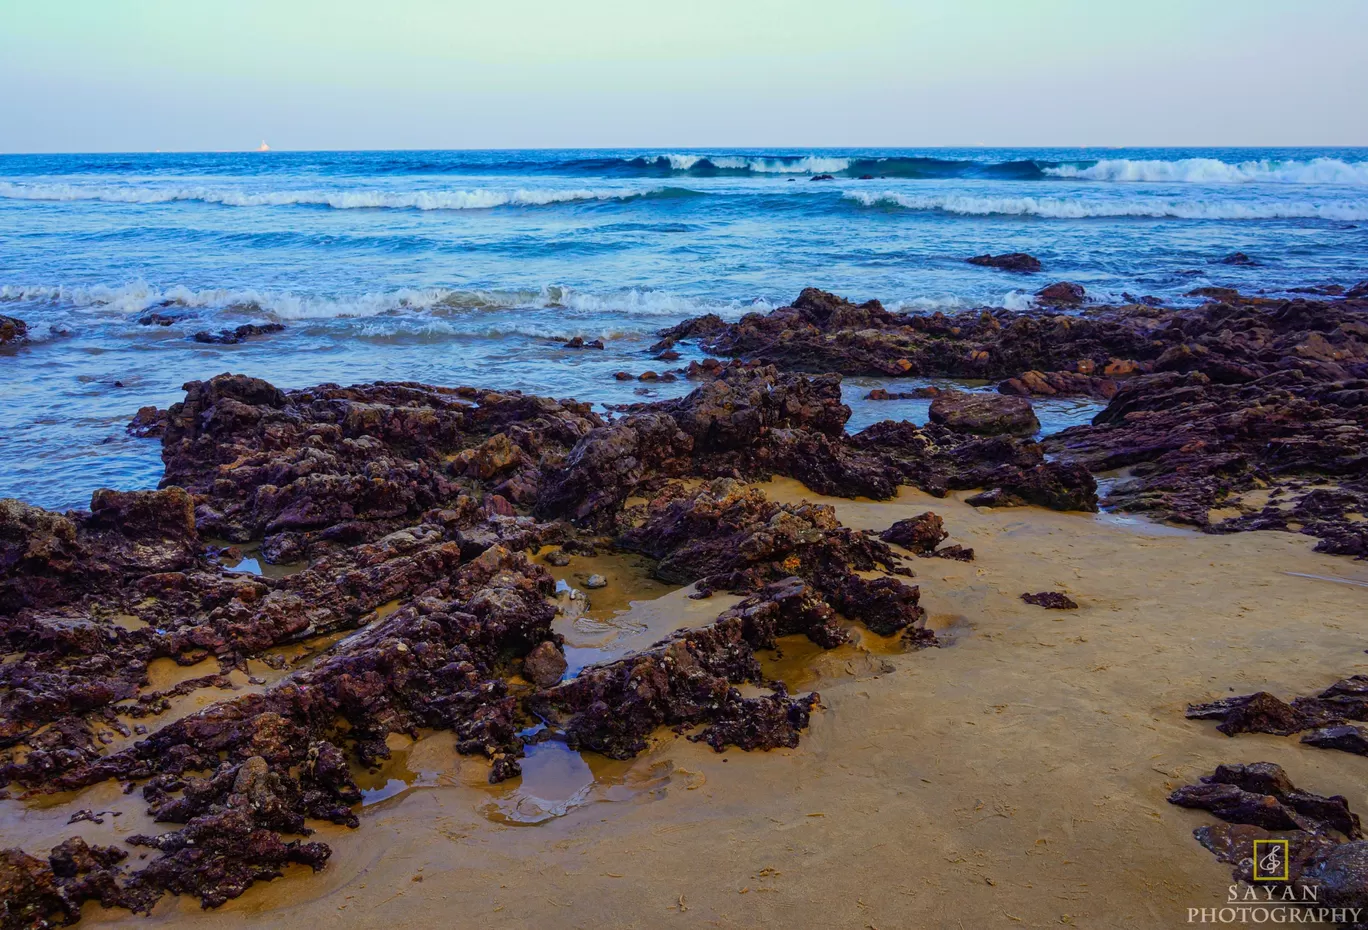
263	147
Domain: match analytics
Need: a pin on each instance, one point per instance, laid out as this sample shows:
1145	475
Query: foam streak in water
1073	208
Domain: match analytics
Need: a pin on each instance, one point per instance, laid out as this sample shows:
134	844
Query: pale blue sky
134	75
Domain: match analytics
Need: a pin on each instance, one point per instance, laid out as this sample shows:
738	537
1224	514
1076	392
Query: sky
140	75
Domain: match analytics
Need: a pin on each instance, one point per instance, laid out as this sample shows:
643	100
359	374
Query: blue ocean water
472	267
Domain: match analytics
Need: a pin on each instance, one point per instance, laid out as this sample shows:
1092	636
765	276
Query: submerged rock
240	334
1011	261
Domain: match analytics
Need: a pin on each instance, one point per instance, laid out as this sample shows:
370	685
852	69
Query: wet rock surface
13	331
228	337
984	414
1242	413
412	513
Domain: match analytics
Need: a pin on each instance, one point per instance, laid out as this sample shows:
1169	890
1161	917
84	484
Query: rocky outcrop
330	466
747	422
1243	413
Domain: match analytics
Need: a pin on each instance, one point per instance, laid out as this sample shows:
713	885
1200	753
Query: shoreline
413	529
1069	733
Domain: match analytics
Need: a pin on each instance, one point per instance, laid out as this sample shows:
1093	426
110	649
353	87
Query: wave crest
1215	171
337	200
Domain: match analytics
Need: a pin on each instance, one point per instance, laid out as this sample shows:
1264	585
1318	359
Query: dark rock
921	534
1346	737
996	497
669	355
1062	294
1052	600
1060	383
1011	261
957	552
147	423
1325	862
1215	293
984	414
558	557
1237	805
13	331
1253	713
1235	258
156	318
823	177
241	333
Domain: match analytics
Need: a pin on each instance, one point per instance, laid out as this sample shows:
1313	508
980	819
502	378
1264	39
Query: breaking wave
338	200
137	297
1071	208
1215	171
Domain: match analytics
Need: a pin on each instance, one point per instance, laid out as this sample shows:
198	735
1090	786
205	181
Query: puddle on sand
631	613
803	665
556	780
411	765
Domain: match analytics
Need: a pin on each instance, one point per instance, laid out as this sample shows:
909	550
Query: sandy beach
1016	776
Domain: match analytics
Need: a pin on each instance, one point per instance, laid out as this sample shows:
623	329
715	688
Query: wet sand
1016	777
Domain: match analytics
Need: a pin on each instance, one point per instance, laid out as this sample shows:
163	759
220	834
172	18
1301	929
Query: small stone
558	557
596	581
545	665
1052	600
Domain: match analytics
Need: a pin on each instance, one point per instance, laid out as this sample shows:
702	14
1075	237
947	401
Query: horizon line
675	148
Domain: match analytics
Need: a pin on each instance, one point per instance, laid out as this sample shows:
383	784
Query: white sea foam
808	164
1215	171
434	303
1073	208
340	200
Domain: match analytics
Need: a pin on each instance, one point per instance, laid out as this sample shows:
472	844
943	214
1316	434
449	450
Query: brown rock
984	414
544	665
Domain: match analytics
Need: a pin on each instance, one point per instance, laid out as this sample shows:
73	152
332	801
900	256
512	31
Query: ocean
473	267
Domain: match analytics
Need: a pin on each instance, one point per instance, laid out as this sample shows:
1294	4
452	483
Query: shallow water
470	267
